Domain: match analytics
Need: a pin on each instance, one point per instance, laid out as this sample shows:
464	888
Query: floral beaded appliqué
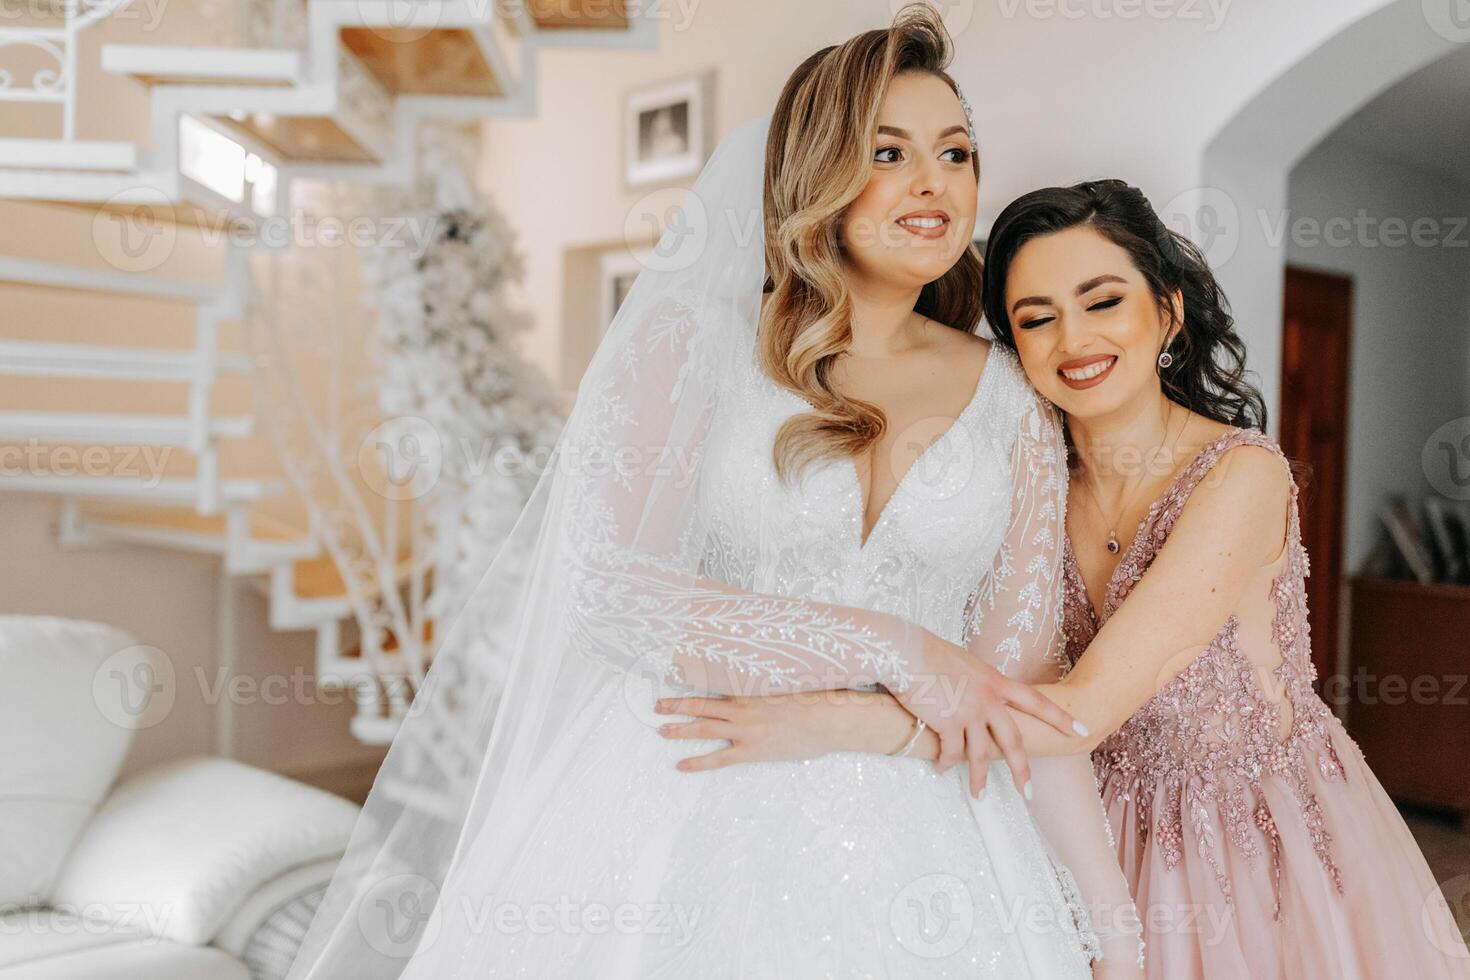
1202	745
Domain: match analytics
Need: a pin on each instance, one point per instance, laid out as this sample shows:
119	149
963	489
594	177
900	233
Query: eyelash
964	153
1106	304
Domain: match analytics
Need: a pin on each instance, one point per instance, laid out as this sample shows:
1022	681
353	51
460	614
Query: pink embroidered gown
1254	857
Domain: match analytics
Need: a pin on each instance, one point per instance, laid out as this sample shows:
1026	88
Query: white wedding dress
845	866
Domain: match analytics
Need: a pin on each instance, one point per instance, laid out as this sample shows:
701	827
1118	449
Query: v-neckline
1148	517
865	540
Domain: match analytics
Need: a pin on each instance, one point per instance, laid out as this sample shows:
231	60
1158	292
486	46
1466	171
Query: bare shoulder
1244	497
1252	466
958	343
1253	469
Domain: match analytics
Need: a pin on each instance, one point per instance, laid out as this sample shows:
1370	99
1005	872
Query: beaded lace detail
775	581
634	604
1211	735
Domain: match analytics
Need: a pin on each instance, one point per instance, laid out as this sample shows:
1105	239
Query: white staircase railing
197	429
327	82
58	84
289	60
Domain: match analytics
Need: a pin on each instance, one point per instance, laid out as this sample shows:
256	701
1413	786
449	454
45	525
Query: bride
790	467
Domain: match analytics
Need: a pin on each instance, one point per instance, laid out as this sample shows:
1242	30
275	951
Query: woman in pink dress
1258	843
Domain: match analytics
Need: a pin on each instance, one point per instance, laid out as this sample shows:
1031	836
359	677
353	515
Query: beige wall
164	599
1056	98
172	601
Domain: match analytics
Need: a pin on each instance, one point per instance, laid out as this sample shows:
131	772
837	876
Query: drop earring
1165	359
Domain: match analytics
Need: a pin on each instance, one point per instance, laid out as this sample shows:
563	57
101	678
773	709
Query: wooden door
1316	336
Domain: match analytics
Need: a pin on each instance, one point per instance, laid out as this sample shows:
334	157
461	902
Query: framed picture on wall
667	130
620	267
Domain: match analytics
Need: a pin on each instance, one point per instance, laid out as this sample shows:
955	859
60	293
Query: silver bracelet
908	746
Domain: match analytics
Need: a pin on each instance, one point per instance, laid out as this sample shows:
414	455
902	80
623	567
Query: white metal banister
42	359
59	43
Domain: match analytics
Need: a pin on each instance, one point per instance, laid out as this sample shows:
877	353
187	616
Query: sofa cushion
153	959
36	934
66	720
195	836
275	908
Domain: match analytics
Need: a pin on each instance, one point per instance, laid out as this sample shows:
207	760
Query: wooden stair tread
558	16
412	61
188	521
319	578
391	644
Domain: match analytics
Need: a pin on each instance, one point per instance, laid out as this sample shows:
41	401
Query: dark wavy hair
1208	373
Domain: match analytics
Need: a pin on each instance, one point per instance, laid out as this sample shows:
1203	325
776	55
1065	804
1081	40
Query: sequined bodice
1212	733
935	538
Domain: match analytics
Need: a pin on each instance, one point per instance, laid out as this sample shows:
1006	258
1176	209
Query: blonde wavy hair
818	160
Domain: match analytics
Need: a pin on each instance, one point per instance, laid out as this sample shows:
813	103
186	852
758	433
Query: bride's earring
1165	359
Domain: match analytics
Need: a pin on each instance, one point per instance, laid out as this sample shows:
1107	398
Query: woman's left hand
779	727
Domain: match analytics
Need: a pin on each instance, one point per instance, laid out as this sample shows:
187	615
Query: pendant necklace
1113	545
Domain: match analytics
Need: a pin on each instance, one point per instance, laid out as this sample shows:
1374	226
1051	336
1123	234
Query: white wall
1057	98
1245	166
1411	313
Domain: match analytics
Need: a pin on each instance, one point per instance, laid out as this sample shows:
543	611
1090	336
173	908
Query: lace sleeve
1013	615
1015	624
637	595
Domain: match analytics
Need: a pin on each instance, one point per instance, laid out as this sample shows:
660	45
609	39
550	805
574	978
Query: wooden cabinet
1409	688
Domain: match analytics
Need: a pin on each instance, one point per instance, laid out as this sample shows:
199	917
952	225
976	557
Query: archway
1240	213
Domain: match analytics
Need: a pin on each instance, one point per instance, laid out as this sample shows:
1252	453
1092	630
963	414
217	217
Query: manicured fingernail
682	764
980	793
665	729
1080	729
1026	790
660	707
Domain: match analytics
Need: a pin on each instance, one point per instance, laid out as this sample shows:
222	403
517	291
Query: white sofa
198	869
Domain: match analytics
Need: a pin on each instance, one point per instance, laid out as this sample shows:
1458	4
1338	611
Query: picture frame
617	270
667	130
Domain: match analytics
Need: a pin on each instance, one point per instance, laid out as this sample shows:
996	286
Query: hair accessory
969	117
